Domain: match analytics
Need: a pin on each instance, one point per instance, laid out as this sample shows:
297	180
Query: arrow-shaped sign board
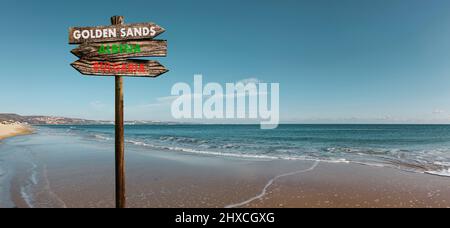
139	31
121	50
104	51
133	68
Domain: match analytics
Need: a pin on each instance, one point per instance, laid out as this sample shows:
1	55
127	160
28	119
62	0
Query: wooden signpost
104	51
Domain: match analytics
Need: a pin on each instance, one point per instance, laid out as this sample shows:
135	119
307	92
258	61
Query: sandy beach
57	170
160	183
14	129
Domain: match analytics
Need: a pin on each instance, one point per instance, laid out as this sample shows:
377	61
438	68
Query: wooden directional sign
104	51
134	68
78	35
121	50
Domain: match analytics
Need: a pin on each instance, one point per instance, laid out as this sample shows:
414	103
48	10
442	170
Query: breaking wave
410	148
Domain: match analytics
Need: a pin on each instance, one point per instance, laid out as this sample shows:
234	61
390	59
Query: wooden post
119	132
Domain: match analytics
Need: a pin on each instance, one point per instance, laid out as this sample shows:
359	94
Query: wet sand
156	182
357	186
61	171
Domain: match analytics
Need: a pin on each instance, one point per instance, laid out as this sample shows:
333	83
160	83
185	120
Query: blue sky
377	61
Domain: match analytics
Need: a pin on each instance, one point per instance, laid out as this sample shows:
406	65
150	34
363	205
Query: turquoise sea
417	148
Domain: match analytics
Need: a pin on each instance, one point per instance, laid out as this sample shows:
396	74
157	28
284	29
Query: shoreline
14	129
161	182
58	170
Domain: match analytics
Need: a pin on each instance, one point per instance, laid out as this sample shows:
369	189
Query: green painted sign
119	49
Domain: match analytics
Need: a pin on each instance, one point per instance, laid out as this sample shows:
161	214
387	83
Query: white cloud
167	99
161	106
249	80
438	111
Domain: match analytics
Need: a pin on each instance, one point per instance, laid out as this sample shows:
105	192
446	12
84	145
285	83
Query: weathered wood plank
133	68
121	50
121	32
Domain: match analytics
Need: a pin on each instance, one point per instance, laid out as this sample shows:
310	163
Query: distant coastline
8	118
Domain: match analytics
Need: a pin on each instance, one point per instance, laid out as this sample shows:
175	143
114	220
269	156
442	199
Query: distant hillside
9	117
35	120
